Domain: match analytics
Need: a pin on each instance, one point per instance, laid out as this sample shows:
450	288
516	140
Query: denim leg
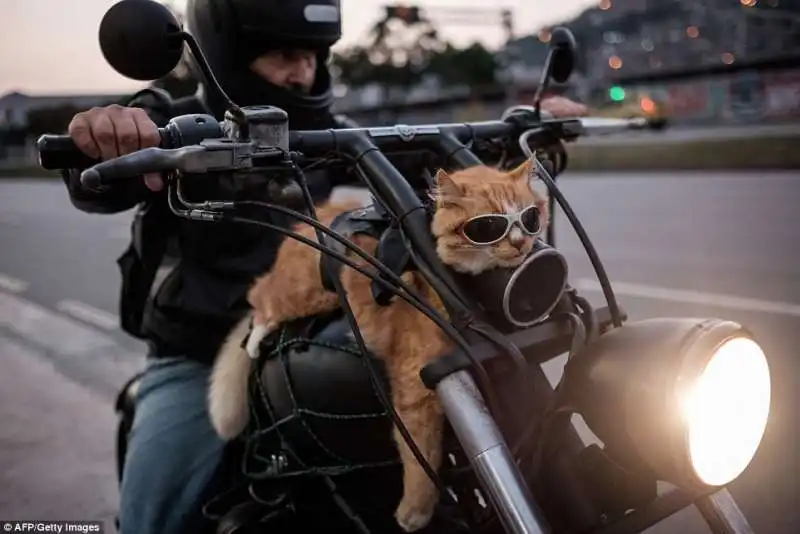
173	452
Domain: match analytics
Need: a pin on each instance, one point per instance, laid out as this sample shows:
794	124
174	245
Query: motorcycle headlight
689	398
726	410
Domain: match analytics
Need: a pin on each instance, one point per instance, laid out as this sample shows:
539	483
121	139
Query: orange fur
403	338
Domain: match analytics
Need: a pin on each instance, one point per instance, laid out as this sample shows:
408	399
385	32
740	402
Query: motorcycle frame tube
722	514
489	455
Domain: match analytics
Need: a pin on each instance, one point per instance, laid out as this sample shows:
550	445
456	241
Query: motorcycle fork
722	514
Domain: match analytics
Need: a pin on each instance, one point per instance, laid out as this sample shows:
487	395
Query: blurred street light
728	58
648	104
692	31
749	3
604	4
615	62
616	93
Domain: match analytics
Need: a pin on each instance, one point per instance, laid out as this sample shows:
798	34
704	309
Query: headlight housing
687	398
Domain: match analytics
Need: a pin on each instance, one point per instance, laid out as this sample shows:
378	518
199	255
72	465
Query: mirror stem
544	80
236	112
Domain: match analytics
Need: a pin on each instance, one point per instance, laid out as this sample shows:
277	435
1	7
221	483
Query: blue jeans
173	452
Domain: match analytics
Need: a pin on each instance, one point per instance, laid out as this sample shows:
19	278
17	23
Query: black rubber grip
59	152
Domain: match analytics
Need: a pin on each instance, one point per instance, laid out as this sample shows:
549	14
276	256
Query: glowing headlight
726	411
687	399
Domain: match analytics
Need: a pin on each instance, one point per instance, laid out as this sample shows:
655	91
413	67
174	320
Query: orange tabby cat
402	337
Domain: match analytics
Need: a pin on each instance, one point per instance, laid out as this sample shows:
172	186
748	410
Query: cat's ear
527	173
524	171
447	190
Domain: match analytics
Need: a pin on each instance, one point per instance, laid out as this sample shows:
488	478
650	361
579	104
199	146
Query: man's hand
108	132
563	108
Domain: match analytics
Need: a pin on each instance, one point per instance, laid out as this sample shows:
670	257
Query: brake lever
211	155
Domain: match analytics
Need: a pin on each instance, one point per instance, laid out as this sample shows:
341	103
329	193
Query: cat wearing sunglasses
483	218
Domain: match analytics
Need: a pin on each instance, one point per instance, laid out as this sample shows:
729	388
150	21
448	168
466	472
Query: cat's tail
227	393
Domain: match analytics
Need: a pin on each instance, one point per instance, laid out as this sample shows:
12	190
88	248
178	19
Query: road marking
49	329
89	314
11	284
693	297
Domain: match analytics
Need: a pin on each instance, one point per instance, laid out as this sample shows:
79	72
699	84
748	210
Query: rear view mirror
141	39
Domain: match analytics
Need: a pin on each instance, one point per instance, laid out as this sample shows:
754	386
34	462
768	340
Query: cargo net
283	445
290	444
282	449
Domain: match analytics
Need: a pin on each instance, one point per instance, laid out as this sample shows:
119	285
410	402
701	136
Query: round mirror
564	47
141	39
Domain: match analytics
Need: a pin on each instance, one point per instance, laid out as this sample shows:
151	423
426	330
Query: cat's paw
257	335
413	514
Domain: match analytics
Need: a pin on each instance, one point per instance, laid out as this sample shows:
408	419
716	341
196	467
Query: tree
353	67
474	66
397	54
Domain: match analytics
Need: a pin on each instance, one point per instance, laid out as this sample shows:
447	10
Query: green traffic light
616	93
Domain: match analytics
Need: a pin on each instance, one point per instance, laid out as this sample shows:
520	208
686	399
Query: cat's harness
374	221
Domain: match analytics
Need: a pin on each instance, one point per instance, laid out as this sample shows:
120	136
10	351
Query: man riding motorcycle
184	282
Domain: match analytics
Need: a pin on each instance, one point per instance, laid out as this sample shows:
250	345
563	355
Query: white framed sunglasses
490	228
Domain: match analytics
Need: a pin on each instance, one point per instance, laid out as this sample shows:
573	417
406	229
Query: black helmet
232	33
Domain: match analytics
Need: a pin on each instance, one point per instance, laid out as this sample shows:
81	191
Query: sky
50	46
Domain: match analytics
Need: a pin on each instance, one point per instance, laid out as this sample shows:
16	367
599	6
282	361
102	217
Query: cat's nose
516	238
518	243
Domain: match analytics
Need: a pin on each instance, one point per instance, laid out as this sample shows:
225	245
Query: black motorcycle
657	393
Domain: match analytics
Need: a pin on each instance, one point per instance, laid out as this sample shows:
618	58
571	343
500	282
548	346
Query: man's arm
562	107
121	197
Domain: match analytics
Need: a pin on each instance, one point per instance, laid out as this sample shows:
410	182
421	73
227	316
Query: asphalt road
674	244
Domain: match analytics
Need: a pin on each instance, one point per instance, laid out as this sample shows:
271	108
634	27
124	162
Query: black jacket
184	282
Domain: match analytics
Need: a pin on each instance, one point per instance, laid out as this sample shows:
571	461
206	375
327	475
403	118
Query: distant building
15	106
634	37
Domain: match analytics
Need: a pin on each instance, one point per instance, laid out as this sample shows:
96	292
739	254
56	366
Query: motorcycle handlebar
194	135
60	152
